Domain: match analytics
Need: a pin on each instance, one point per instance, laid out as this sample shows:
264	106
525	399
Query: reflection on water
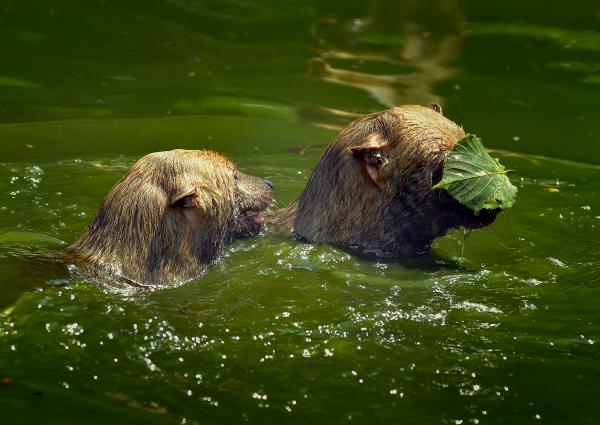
397	52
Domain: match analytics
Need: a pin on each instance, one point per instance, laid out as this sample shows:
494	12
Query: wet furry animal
169	217
372	188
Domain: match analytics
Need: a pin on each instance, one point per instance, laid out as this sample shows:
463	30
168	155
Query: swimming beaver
169	217
372	188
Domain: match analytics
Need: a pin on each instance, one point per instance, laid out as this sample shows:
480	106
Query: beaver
169	217
372	188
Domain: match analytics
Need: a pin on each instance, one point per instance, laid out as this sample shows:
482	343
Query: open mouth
249	222
252	216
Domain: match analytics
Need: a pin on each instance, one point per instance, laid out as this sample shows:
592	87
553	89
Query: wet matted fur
169	217
372	188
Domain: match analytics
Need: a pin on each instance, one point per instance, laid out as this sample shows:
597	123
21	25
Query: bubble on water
557	262
284	314
259	396
479	308
72	329
34	174
210	401
151	366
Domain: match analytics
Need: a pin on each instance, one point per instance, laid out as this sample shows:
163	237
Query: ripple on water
278	326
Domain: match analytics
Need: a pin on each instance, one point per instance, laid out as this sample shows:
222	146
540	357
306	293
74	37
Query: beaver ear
190	204
370	155
185	199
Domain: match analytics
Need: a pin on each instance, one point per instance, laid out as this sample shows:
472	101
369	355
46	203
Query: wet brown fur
372	187
168	218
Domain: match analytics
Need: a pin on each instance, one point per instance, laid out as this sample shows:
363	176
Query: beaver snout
467	218
483	219
255	196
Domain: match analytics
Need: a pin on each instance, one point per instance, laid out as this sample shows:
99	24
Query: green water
502	327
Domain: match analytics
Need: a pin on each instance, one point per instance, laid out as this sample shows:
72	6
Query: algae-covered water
500	327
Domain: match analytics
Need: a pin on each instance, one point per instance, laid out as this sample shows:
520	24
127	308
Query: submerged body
372	188
169	218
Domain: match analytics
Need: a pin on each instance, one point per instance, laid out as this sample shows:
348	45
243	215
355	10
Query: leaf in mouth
475	179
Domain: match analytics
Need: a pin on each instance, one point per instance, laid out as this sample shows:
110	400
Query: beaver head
372	187
170	216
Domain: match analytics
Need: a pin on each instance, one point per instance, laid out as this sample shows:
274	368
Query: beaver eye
436	107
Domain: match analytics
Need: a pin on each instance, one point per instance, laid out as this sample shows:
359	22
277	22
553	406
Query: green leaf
475	179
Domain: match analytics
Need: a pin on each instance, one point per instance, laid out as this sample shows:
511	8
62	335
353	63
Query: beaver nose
268	183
